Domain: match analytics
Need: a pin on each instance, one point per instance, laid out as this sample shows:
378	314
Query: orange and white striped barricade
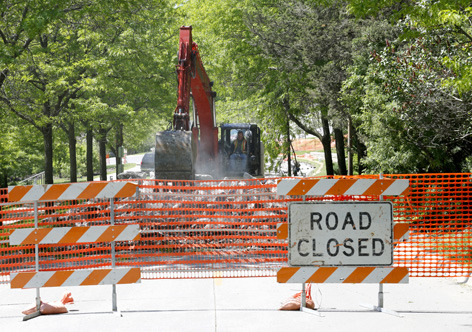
70	235
318	259
339	187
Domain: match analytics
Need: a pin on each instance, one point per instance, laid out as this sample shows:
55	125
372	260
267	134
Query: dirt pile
307	144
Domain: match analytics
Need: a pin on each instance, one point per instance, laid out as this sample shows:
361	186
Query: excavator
191	147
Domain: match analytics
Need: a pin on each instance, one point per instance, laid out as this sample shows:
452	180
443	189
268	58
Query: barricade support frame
108	190
311	189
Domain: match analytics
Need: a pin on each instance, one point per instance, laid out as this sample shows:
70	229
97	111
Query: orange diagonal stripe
128	190
17	193
21	279
378	187
399	230
54	192
359	274
406	191
74	234
131	277
92	190
302	187
111	233
282	232
95	277
285	273
395	276
36	235
58	278
340	187
321	274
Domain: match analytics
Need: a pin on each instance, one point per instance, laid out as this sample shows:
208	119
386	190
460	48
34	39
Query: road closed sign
340	233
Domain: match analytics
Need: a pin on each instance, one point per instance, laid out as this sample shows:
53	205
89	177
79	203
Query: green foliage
411	120
104	63
401	71
20	151
452	17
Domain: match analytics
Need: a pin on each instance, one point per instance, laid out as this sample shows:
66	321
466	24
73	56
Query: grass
110	170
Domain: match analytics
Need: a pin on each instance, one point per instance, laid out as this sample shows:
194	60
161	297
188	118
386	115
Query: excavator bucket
175	155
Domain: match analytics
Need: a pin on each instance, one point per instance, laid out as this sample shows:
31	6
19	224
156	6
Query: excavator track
175	155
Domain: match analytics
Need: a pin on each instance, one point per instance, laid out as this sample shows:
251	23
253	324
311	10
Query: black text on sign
341	233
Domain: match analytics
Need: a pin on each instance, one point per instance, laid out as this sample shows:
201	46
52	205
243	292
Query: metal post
36	255
380	307
381	294
36	265
303	302
113	258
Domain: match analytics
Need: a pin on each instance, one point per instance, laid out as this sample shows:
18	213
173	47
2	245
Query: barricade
307	219
73	235
228	228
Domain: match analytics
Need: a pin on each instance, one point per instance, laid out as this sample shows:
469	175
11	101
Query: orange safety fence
227	228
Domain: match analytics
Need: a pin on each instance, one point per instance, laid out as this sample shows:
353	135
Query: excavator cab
254	164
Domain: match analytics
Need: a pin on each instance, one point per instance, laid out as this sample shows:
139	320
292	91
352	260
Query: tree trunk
326	142
361	153
289	155
361	150
286	105
48	154
119	143
102	147
339	137
350	168
89	155
3	181
72	152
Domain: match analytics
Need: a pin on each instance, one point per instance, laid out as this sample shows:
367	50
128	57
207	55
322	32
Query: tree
131	89
312	44
452	16
413	122
370	39
81	55
411	97
20	151
41	83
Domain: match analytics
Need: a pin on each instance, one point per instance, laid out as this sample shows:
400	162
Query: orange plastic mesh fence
200	229
439	213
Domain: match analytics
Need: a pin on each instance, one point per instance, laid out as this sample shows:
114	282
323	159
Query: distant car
148	162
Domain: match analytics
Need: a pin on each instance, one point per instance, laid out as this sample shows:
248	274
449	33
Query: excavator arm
189	148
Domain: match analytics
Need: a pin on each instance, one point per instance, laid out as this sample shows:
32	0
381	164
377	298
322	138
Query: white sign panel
340	233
